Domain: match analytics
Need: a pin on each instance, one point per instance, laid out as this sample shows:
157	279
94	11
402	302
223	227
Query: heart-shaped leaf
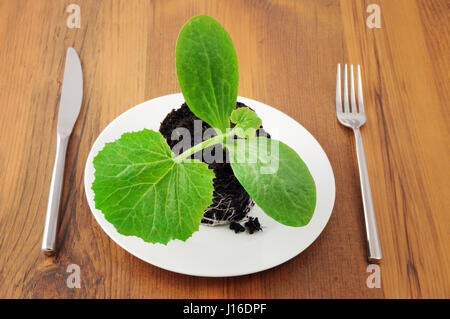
143	192
275	177
207	70
247	122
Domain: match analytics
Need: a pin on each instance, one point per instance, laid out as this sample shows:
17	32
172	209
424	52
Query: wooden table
287	51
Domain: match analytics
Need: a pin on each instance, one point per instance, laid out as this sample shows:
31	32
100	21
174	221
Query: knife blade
69	108
71	93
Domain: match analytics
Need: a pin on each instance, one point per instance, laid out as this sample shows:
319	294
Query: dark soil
238	228
253	225
231	202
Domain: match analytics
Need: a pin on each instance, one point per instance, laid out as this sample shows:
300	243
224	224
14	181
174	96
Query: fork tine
338	90
346	106
360	93
352	90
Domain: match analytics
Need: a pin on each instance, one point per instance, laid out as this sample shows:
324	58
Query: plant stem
212	141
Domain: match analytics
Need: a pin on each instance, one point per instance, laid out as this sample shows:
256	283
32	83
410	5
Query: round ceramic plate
218	251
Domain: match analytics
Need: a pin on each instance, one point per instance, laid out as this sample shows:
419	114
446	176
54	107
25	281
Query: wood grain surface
287	51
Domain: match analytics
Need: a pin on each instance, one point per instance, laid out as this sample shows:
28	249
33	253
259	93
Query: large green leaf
144	193
207	70
275	177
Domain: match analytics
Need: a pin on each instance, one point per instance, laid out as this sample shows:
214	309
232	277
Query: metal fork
355	118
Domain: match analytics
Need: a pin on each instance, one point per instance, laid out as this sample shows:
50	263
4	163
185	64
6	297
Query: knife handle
51	219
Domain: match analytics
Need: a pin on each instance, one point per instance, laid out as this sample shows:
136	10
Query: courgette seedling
144	190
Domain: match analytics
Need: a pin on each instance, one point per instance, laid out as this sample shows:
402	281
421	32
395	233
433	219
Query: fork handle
373	242
51	219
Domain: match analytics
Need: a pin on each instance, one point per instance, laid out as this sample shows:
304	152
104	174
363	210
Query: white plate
218	251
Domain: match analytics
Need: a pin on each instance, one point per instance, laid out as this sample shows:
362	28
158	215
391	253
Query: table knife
69	108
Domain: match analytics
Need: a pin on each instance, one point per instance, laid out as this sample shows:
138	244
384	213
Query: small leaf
247	122
275	177
144	193
207	70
